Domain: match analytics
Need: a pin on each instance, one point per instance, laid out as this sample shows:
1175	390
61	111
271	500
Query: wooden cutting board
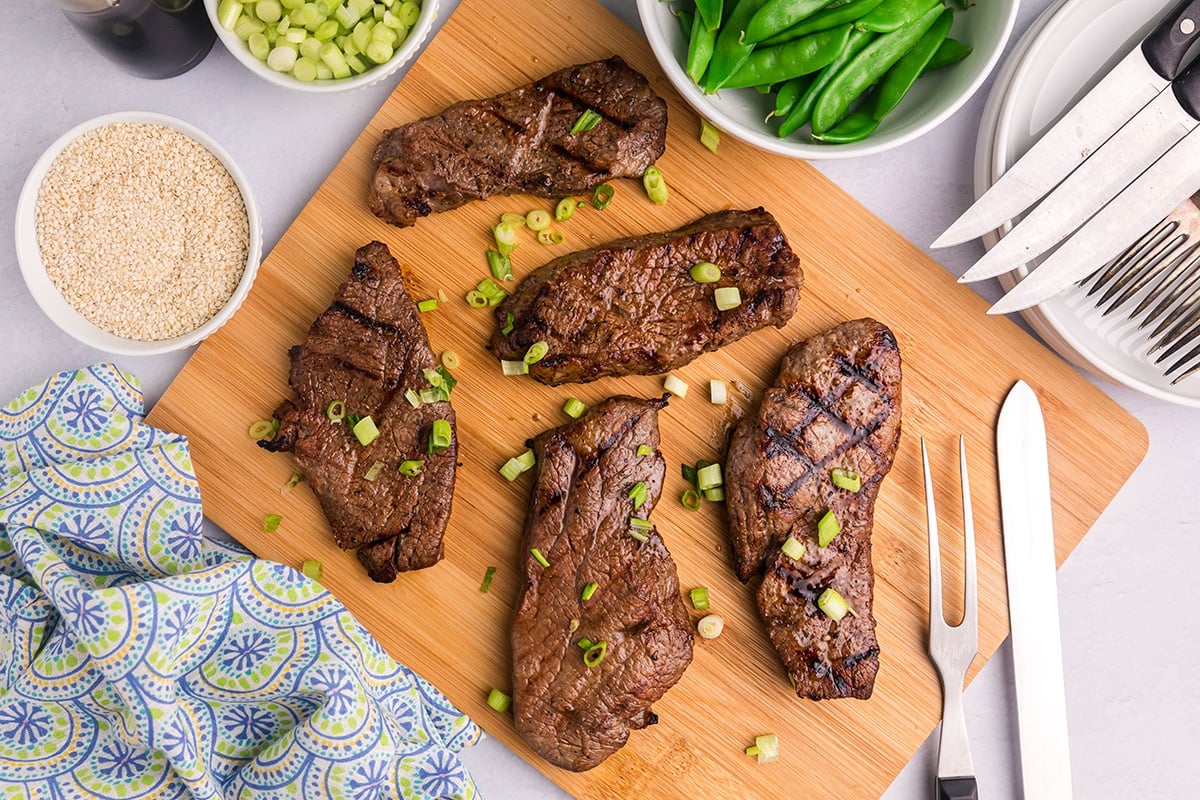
958	365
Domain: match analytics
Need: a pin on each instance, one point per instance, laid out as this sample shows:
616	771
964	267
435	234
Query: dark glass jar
149	38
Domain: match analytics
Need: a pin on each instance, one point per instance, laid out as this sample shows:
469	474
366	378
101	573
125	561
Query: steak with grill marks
574	715
835	404
365	350
631	307
520	142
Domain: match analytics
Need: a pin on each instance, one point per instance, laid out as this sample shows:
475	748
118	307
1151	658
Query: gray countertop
1133	684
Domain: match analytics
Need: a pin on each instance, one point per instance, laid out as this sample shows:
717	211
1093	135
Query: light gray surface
1130	651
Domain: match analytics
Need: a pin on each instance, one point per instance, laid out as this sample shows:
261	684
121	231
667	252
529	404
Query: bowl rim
47	295
649	11
411	45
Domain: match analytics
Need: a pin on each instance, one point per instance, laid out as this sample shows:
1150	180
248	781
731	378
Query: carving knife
1029	562
1136	80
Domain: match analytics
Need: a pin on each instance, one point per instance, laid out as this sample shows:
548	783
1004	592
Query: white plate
1064	53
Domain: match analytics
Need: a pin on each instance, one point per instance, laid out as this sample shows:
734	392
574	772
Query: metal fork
952	647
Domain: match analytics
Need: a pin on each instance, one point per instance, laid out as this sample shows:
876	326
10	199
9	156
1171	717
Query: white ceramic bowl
56	306
740	112
411	45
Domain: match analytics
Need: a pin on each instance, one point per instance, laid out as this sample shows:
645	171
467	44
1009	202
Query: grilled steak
835	404
365	350
631	307
574	715
520	142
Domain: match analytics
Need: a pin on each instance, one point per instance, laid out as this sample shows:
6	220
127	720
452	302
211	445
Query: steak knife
1025	513
1136	80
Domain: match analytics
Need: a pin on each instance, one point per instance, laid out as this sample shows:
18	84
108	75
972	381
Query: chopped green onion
498	701
500	265
336	411
574	626
264	429
588	591
587	120
441	382
793	548
536	352
602	196
675	385
638	494
640	536
716	494
518	464
508	323
411	468
537	220
727	297
374	471
506	238
752	750
710	627
487	580
365	431
584	643
827	528
708	477
292	483
491	291
550	237
767	747
689	473
691	500
541	559
430	396
313	569
710	137
645	450
442	296
833	605
476	299
846	479
413	398
352	419
439	436
655	186
450	360
700	598
516	220
574	407
271	523
595	654
565	209
639	524
705	272
718	395
514	368
426	306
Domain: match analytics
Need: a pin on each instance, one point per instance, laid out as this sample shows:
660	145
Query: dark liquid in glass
149	38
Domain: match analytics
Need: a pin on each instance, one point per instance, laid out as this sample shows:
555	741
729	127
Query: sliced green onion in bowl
587	120
425	306
710	627
595	654
655	185
846	479
536	352
498	701
793	548
517	465
675	385
727	297
537	220
487	580
537	556
271	523
500	266
365	431
264	429
588	591
565	209
709	477
710	137
373	472
700	598
602	196
828	527
690	500
313	569
440	436
411	468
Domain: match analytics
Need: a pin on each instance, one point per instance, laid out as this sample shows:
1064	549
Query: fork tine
1151	272
1189	275
971	594
936	617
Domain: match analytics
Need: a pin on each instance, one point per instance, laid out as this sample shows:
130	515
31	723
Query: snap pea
900	78
833	16
710	12
952	51
731	50
685	23
866	68
786	61
789	94
777	15
802	111
700	49
854	128
892	15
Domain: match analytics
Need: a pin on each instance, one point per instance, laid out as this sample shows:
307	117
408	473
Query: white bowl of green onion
322	45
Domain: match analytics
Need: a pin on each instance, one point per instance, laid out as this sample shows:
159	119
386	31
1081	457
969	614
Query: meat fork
952	647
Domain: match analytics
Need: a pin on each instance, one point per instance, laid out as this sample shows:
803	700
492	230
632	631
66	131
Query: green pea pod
866	68
802	111
731	50
952	51
710	12
892	15
854	128
833	16
700	50
786	61
685	23
901	77
789	94
777	15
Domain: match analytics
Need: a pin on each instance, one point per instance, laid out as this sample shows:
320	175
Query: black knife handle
1187	90
1167	44
957	788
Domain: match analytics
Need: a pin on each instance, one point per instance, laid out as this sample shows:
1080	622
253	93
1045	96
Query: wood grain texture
958	365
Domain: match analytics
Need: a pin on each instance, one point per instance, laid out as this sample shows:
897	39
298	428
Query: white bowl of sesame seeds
137	233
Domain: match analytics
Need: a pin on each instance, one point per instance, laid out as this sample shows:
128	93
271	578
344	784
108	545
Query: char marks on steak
365	350
573	715
835	404
520	142
631	307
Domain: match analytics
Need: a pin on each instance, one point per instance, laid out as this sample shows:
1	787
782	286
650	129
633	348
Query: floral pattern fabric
140	659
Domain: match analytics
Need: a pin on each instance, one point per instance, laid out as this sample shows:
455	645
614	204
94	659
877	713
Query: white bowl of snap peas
827	78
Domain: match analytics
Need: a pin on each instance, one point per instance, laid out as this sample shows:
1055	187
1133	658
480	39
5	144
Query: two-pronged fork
952	648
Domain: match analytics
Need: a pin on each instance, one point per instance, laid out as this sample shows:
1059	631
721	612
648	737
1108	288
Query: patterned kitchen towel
140	659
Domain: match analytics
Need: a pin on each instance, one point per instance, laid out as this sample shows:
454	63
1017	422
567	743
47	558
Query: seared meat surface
631	307
835	404
520	142
574	715
365	350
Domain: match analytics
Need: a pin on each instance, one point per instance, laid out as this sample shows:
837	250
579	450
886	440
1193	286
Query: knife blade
1029	562
1136	80
1167	183
1131	150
